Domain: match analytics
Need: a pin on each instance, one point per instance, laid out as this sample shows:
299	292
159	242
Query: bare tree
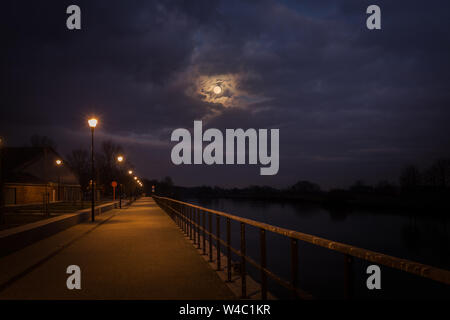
438	175
410	178
42	141
305	187
107	166
79	162
107	169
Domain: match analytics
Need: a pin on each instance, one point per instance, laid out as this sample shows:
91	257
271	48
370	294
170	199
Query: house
32	173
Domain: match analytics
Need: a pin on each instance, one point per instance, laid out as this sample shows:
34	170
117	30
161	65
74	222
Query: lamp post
120	160
134	193
92	123
58	164
130	172
2	198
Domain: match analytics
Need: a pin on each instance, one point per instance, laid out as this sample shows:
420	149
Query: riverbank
429	204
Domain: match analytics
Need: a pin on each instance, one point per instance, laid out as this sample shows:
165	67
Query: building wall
69	193
45	169
28	193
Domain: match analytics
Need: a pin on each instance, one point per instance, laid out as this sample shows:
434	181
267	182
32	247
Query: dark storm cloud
350	103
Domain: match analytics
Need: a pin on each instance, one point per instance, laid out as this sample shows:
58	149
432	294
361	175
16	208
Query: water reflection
418	238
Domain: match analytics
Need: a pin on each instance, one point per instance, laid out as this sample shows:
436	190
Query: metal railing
192	220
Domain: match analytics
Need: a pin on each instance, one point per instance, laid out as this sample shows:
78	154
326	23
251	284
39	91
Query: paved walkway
133	253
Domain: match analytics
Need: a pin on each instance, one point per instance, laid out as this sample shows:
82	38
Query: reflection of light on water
380	231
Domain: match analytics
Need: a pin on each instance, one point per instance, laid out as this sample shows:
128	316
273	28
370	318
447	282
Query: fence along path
192	219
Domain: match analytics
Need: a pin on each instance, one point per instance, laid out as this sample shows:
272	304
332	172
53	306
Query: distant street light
120	159
92	123
135	178
2	198
130	172
58	164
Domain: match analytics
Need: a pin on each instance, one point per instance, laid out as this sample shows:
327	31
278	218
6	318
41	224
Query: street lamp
92	123
2	220
58	164
120	159
130	172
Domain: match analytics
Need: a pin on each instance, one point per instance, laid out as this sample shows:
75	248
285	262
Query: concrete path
133	253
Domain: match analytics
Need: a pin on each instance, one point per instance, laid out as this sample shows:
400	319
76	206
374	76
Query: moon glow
217	89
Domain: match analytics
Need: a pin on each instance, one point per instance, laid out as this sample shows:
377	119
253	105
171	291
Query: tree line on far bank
415	188
425	187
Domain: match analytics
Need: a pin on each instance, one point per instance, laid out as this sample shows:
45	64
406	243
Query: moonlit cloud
230	95
349	103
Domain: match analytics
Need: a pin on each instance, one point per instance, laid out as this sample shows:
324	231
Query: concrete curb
19	237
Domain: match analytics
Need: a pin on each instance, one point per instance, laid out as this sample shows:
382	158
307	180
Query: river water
422	238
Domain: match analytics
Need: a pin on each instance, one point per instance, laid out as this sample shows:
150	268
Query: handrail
426	271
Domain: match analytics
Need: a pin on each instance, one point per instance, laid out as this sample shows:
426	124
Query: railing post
218	241
210	238
185	225
194	227
177	207
198	228
180	216
183	220
243	271
348	276
183	212
294	266
204	232
175	215
263	255
190	222
228	250
186	214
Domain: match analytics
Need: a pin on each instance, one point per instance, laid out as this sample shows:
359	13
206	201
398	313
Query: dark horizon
350	103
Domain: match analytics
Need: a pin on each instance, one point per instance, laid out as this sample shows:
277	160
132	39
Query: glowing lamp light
130	172
58	162
120	158
92	122
135	178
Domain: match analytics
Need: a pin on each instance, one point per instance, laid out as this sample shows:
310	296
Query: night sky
350	103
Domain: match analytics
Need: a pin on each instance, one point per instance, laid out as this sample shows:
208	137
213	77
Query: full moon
217	89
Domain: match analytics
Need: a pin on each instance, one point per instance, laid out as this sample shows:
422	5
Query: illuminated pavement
134	253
